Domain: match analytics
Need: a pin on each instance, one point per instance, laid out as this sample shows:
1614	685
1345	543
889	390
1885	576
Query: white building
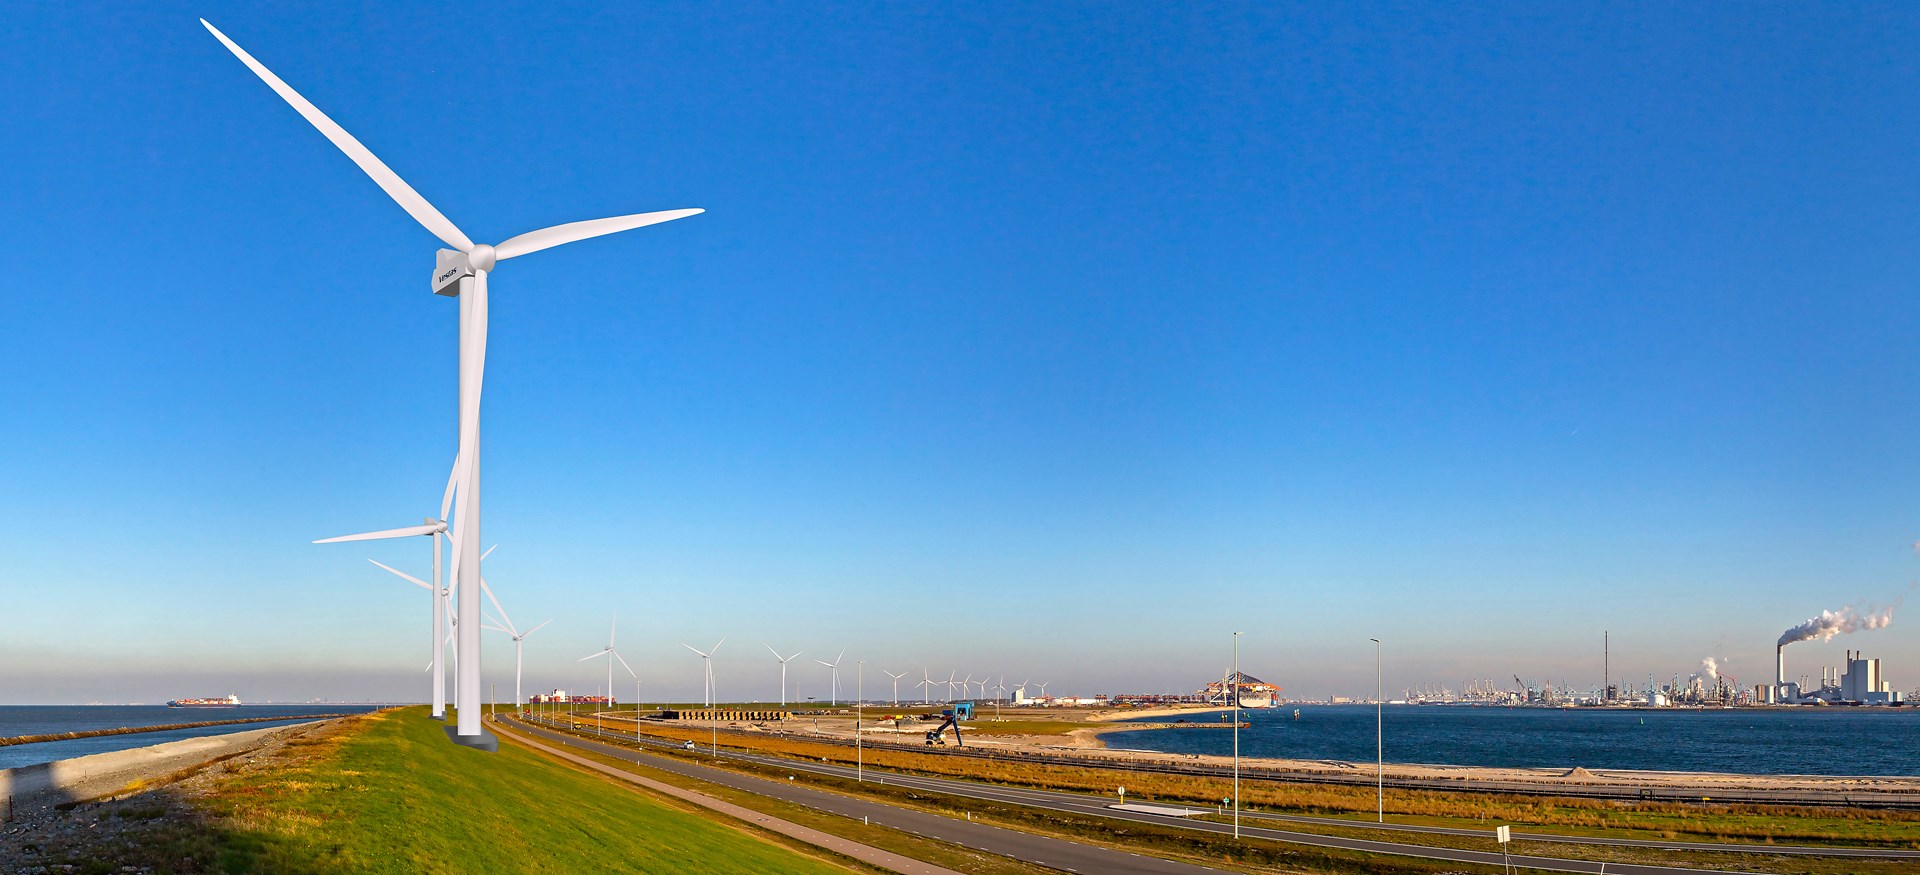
1862	683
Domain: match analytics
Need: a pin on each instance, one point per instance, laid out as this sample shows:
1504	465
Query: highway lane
1796	850
1854	798
1043	850
1069	803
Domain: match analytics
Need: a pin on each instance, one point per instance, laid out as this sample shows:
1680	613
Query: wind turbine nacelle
449	266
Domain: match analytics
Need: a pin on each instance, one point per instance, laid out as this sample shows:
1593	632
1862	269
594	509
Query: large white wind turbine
783	670
433	528
708	656
926	686
896	685
462	272
833	696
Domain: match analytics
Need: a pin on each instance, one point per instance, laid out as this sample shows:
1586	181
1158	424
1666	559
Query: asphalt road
1796	850
1047	851
1791	850
1044	850
1850	798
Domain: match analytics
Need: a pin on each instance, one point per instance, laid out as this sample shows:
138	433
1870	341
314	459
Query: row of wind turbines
460	272
445	618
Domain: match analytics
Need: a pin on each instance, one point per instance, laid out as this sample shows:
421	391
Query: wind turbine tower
708	656
834	692
459	272
783	670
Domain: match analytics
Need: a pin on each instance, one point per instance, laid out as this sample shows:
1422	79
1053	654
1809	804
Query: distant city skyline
1057	340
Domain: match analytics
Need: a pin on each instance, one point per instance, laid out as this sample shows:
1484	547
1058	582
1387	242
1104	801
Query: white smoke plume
1843	621
1711	668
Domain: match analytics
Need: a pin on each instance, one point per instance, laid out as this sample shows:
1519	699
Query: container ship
231	701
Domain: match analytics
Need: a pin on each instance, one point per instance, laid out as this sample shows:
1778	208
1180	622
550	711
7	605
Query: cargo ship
231	701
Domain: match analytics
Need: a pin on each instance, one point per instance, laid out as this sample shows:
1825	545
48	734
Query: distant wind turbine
708	656
834	694
896	685
783	670
611	655
519	639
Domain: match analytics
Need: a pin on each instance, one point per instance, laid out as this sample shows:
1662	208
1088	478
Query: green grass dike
388	793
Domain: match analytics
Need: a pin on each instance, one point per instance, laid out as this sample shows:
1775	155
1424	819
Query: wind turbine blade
594	655
693	648
408	577
523	635
623	664
494	628
389	182
546	238
453	478
716	646
407	532
489	551
824	662
504	619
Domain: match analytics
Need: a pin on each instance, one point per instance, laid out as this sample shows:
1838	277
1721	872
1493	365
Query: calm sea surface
1838	741
18	720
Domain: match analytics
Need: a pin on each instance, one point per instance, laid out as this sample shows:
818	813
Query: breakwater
164	727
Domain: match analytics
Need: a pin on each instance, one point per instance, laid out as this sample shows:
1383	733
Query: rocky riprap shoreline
156	831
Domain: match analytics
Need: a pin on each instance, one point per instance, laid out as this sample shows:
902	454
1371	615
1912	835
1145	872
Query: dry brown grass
1707	822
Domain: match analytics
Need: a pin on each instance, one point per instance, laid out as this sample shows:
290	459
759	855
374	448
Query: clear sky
1051	340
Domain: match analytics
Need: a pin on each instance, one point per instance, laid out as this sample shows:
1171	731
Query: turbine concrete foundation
484	741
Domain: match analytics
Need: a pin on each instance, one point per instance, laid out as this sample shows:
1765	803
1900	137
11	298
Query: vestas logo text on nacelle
449	267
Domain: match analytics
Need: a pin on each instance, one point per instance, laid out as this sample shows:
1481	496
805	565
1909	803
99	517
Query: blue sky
1055	340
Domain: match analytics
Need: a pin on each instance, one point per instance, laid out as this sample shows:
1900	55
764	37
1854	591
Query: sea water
1805	741
17	720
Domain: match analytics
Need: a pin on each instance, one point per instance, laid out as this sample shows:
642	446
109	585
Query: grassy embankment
1643	820
387	793
1214	851
1217	850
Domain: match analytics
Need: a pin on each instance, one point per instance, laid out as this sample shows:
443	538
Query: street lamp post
859	710
1236	734
1379	767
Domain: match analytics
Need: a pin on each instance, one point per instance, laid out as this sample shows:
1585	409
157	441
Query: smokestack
1780	661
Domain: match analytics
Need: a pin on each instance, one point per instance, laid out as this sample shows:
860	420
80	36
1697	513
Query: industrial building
1860	683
